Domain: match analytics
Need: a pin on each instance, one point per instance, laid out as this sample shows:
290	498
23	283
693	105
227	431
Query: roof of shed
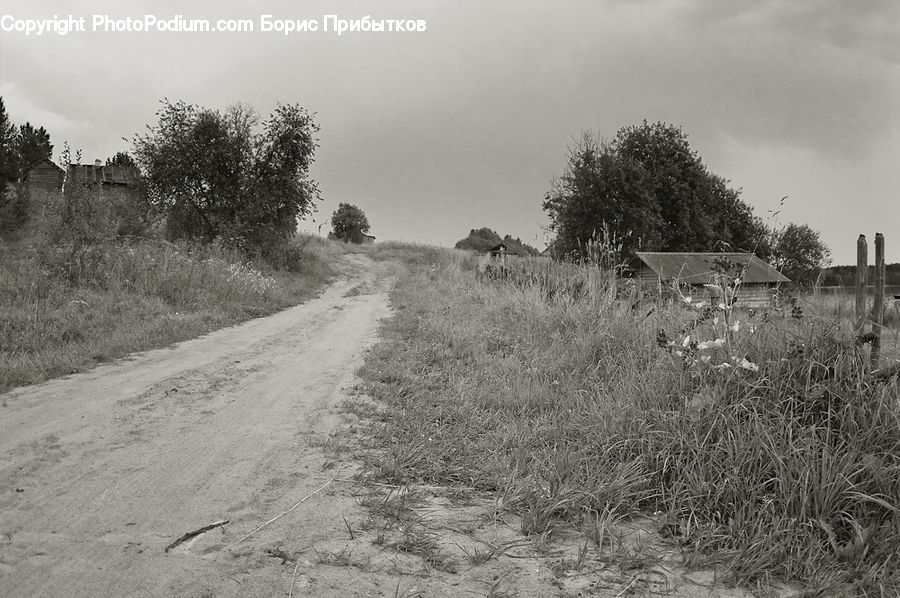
698	268
41	162
110	175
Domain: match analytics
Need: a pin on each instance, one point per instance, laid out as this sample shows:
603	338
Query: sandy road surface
102	470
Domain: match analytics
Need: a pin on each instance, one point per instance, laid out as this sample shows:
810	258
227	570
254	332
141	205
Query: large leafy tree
652	192
223	175
349	223
799	253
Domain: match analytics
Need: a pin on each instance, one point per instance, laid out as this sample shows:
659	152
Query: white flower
747	365
716	344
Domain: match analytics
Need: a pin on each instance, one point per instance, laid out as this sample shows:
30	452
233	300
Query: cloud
464	125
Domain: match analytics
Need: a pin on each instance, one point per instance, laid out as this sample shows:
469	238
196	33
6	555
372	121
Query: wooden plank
878	304
862	272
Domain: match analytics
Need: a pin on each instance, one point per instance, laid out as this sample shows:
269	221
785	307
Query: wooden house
759	280
112	182
499	252
44	175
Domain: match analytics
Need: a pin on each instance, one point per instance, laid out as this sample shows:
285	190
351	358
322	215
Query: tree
349	223
480	239
121	159
651	191
799	253
483	239
9	164
220	175
32	145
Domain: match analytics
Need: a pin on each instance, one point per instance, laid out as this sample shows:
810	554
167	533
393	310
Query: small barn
44	175
113	182
759	280
367	239
499	252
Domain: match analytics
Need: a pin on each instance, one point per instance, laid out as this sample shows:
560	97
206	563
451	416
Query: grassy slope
131	297
544	388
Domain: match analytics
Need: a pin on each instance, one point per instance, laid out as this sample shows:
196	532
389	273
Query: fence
862	273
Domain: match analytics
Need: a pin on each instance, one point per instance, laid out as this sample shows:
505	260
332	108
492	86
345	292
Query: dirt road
102	470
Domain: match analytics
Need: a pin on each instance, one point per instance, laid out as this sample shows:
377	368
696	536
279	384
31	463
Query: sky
464	125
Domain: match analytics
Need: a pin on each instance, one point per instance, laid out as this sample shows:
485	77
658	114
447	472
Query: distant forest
845	276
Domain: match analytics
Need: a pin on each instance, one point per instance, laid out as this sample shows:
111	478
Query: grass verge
758	441
60	315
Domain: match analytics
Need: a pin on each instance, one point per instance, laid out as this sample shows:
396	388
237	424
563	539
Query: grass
774	455
62	313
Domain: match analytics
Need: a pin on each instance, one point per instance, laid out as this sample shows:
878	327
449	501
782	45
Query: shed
367	239
44	175
111	182
499	252
759	280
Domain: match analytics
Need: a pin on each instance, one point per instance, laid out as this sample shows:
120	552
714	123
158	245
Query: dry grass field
759	443
61	313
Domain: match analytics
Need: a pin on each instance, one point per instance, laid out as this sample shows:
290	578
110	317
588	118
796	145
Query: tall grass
63	309
760	438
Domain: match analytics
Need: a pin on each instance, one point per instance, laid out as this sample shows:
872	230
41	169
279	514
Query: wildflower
718	343
747	365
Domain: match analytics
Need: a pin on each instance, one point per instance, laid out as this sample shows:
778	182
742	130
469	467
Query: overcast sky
464	125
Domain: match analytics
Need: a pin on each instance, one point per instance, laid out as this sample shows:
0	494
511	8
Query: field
63	311
759	443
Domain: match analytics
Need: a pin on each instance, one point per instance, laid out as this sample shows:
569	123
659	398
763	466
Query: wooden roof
41	163
698	268
108	175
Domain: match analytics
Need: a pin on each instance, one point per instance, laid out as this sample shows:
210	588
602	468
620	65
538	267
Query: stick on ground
196	532
280	515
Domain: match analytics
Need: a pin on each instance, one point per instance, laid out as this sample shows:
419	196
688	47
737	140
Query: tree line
652	192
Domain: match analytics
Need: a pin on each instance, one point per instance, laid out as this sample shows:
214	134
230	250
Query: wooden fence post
878	304
862	274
